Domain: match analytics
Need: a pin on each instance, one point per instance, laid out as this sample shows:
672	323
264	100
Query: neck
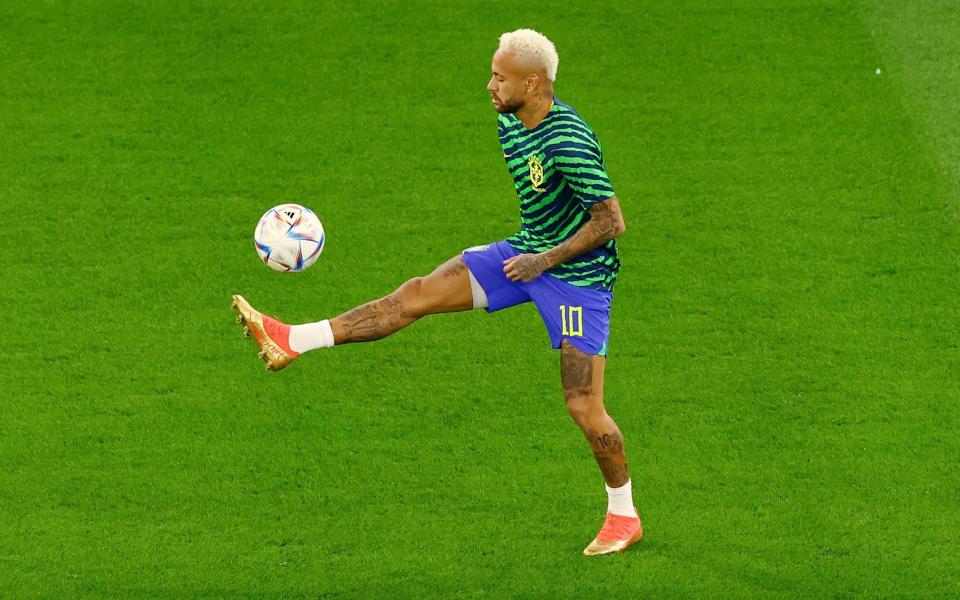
535	111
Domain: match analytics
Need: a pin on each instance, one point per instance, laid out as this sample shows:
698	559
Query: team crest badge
536	172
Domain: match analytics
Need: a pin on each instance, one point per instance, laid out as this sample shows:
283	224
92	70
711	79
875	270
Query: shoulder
566	114
569	132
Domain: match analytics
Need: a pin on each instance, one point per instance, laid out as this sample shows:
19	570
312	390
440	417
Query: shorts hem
579	344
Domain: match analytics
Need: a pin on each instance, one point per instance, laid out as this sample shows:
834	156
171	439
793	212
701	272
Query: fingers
509	269
514	268
513	273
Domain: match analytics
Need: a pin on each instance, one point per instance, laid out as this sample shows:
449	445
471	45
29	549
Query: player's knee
583	406
410	294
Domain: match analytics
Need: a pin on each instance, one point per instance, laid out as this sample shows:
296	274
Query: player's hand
525	267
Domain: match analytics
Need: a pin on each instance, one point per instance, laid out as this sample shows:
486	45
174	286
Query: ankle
620	500
311	336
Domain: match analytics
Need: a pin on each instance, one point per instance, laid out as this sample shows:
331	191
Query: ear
533	80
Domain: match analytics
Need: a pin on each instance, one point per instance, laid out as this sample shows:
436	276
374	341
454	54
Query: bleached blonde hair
534	47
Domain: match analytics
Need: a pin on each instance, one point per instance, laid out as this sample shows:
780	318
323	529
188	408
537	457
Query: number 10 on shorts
571	317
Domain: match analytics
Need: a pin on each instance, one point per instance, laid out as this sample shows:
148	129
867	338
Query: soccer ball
289	237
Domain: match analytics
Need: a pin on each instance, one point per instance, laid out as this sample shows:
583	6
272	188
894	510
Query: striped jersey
558	172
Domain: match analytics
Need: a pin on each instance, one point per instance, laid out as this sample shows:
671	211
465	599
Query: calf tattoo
374	320
608	450
586	407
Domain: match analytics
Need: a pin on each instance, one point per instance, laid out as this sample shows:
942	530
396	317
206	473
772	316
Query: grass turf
784	358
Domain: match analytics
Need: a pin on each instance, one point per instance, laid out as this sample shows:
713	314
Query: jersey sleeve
579	159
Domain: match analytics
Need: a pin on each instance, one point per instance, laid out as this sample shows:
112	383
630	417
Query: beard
509	107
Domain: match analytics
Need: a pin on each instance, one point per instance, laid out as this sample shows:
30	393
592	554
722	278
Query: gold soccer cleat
617	534
271	335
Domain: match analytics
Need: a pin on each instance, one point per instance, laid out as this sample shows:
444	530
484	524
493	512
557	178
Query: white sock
311	336
620	500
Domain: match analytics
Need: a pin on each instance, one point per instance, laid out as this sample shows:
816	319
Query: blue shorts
577	314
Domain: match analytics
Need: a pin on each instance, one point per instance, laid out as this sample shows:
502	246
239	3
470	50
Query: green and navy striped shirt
558	172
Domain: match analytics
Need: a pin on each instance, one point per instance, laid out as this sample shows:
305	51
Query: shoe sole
270	352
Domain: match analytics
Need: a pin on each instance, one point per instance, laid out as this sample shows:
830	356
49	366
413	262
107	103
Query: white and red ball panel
289	237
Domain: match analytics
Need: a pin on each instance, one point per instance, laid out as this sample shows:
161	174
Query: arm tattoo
604	225
529	266
603	220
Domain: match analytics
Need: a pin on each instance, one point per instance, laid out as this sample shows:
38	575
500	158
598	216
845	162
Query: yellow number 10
571	317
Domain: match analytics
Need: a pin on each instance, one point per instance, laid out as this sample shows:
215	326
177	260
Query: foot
617	534
271	335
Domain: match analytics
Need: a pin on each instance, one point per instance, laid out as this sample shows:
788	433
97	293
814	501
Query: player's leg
475	279
578	322
582	376
446	289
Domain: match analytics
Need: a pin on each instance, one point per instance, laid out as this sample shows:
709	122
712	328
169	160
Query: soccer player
563	259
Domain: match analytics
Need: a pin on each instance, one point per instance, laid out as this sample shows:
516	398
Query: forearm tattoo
603	226
374	320
529	266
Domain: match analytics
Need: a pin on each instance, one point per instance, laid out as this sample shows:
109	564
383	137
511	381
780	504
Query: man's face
508	85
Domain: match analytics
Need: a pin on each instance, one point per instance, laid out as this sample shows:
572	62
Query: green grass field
784	357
